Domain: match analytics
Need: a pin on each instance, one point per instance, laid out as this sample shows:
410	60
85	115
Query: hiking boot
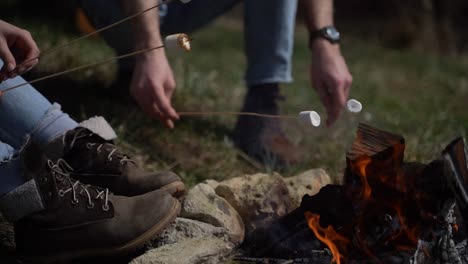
98	161
263	138
81	221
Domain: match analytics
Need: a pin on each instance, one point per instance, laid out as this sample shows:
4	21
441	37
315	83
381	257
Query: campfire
386	211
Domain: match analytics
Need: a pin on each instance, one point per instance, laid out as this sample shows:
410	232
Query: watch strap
322	33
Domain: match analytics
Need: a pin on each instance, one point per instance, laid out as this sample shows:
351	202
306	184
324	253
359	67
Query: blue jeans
25	113
269	30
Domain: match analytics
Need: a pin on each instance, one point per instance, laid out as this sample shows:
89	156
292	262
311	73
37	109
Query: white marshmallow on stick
177	42
309	118
354	106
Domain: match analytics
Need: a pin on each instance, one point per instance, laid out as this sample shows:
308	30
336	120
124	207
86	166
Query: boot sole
126	249
176	189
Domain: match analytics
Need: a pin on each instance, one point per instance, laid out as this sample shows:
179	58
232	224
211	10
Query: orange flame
328	236
361	167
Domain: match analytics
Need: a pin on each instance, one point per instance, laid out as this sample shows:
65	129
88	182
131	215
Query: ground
422	97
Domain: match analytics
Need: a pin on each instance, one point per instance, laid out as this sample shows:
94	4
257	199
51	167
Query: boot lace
109	147
61	171
112	150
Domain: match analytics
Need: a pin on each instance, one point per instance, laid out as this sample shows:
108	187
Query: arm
153	82
17	48
318	13
329	74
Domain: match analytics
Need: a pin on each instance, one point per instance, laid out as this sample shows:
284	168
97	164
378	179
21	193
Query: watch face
332	33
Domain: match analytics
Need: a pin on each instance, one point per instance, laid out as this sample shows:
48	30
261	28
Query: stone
189	251
211	183
309	182
203	204
184	228
259	199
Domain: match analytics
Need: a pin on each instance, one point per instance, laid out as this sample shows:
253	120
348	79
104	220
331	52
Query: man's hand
152	86
17	48
152	81
330	77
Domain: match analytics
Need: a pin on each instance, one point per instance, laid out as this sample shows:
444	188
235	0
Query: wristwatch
329	33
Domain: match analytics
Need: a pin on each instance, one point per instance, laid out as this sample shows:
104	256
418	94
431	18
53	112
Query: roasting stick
94	64
52	50
55	49
304	117
176	42
235	114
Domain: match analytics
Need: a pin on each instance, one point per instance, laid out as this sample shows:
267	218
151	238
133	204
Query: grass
420	96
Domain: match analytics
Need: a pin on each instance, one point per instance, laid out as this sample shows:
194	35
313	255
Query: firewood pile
386	211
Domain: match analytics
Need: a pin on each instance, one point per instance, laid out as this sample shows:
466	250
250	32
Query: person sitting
67	189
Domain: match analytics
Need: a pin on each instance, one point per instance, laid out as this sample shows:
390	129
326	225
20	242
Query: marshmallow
185	1
354	106
309	117
177	42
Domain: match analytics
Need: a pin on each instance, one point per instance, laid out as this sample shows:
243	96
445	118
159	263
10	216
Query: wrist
145	39
323	45
147	43
328	33
151	56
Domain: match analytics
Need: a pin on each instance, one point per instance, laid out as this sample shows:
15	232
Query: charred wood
371	141
288	237
457	173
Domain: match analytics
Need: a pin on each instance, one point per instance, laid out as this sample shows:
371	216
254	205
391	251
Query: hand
18	51
330	77
152	86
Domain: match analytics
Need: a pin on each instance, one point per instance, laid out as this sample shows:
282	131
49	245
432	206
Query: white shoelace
61	171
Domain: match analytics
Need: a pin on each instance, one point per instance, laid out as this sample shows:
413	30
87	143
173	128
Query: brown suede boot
99	162
81	221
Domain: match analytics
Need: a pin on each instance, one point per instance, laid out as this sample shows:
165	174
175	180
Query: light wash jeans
269	30
25	113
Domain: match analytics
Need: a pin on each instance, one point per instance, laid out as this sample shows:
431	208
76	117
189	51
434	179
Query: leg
269	37
195	15
11	175
25	111
58	219
30	182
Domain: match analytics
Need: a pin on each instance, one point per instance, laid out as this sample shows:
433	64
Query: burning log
394	203
387	211
375	153
290	237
